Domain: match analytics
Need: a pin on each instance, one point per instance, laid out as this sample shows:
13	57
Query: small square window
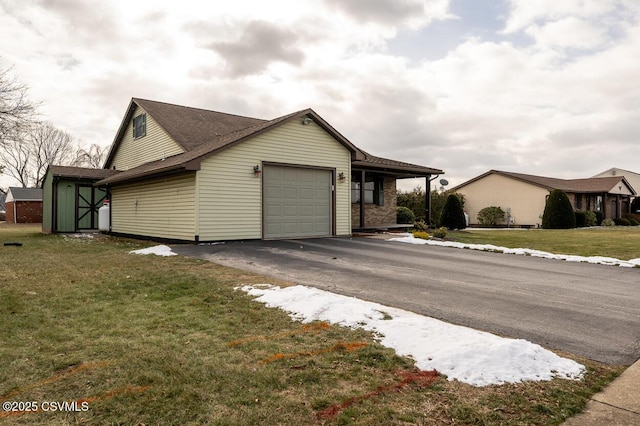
139	126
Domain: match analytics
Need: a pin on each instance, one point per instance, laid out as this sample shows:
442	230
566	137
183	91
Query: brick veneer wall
26	211
378	215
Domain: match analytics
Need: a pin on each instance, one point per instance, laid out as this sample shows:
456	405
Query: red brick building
24	205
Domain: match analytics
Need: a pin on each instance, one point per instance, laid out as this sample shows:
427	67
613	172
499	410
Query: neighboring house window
579	201
373	191
139	126
599	203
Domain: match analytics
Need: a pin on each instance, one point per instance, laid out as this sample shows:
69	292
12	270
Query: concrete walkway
618	404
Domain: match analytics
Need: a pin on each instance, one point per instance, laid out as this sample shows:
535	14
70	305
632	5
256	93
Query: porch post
362	177
428	200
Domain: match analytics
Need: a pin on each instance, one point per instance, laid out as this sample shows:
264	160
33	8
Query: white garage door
297	202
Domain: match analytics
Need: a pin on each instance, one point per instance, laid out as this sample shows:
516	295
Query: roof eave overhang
398	172
119	180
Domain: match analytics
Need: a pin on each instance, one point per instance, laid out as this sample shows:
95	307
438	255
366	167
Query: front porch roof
367	162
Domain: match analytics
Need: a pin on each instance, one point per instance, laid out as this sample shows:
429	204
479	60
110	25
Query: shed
70	199
24	205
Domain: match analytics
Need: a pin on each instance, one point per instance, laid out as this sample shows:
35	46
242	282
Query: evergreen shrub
599	217
491	216
440	232
452	214
405	215
621	221
591	219
634	219
421	234
558	212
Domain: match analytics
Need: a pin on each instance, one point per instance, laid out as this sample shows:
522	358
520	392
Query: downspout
15	212
428	198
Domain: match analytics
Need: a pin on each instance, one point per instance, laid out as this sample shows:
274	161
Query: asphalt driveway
588	310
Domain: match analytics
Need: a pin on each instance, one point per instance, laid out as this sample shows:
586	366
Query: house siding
155	145
230	196
526	201
162	208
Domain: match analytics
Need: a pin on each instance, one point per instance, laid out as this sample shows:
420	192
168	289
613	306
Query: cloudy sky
546	87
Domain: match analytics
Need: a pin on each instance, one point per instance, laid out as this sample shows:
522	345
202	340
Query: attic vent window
139	126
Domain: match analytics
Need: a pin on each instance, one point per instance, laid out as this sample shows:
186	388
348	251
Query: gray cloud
67	62
91	22
261	43
380	11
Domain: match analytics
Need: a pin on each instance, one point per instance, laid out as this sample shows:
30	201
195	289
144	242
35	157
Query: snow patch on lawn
460	353
161	250
409	238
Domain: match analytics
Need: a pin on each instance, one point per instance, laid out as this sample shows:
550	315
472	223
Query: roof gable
191	160
188	127
202	133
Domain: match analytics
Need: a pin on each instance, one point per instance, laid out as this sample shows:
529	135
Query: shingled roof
80	172
24	194
400	168
588	185
202	133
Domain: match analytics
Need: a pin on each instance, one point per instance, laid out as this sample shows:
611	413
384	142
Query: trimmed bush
421	225
591	219
440	232
599	217
421	234
452	214
581	219
620	221
558	212
634	219
405	215
491	216
607	222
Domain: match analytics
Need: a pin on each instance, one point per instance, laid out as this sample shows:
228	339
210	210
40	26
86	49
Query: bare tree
92	157
16	110
29	153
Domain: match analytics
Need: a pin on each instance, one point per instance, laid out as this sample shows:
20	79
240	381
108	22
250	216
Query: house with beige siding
189	174
524	196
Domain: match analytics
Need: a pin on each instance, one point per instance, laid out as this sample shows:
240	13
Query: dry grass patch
167	340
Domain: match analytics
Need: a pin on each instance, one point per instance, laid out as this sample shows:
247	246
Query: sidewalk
618	404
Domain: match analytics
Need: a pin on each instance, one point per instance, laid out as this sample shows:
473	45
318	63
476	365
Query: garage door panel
297	202
308	194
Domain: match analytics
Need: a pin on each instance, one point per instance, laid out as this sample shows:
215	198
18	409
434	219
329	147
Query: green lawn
168	341
620	242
